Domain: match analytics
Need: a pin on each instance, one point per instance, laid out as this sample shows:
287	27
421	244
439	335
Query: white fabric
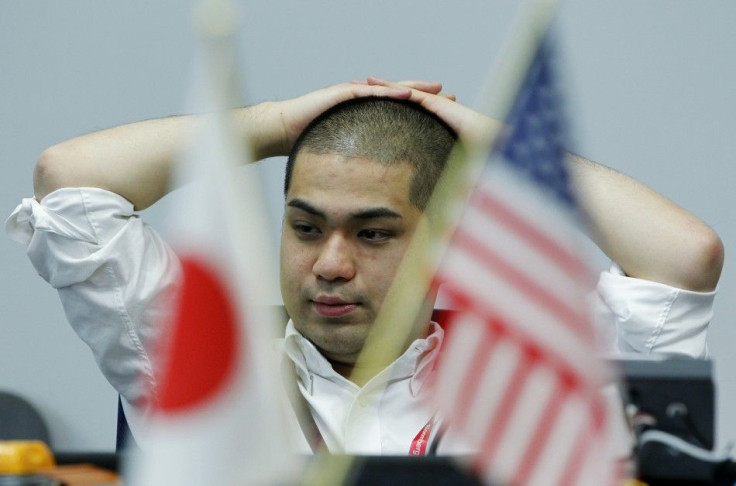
115	274
650	318
382	417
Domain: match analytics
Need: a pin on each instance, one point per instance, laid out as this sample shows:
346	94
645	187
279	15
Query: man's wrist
263	128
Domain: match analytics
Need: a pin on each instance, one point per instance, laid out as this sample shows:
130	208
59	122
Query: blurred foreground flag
518	377
216	418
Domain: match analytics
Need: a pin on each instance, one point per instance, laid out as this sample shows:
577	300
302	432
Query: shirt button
363	401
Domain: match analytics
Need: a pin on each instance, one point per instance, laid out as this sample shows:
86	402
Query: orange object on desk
32	457
24	456
82	475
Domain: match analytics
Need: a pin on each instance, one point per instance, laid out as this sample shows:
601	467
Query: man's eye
306	230
374	236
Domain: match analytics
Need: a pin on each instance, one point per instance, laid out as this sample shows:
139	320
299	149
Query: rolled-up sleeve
115	276
652	318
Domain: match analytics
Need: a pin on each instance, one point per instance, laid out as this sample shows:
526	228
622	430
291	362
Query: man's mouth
328	306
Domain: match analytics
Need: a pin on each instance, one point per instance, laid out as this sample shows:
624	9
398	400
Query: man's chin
335	338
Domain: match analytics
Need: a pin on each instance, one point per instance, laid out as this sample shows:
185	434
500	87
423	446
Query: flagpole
394	323
218	22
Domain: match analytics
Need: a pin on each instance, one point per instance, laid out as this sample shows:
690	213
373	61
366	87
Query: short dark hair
384	130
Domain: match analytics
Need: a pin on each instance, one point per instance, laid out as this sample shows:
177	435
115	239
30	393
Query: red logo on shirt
419	444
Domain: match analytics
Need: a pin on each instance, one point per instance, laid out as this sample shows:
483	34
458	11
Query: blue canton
534	145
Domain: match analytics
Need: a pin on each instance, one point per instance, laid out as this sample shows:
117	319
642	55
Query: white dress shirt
115	276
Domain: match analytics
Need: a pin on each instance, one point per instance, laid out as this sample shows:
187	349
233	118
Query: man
351	207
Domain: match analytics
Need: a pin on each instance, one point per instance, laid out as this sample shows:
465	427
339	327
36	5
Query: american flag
518	377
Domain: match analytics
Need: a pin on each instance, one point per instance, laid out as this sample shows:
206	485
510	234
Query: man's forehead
348	185
313	168
309	156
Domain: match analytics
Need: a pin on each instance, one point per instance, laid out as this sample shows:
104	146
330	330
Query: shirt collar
419	360
304	354
416	363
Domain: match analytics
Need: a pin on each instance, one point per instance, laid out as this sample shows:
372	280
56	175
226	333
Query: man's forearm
649	236
135	160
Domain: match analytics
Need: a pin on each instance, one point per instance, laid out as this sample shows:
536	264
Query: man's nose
335	260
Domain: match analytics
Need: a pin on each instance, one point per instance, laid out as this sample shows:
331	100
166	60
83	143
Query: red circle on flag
202	343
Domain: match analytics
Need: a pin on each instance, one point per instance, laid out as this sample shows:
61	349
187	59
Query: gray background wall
650	84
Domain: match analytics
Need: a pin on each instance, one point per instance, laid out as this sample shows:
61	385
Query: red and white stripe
519	377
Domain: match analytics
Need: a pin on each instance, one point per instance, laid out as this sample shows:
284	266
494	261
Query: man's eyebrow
368	213
306	207
372	213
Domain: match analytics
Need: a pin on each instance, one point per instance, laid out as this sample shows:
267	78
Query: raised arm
649	236
135	160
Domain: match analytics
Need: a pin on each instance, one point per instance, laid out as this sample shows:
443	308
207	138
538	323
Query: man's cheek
297	264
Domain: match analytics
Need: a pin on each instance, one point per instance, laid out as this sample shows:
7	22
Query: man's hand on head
469	125
297	113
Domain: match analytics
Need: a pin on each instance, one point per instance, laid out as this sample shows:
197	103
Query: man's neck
361	372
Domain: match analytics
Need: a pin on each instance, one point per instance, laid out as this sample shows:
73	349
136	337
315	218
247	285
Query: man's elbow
703	266
50	172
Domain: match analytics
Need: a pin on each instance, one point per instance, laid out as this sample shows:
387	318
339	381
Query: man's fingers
359	89
426	86
398	92
431	87
376	81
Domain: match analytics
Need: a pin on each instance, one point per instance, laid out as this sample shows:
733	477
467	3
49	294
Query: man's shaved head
384	130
